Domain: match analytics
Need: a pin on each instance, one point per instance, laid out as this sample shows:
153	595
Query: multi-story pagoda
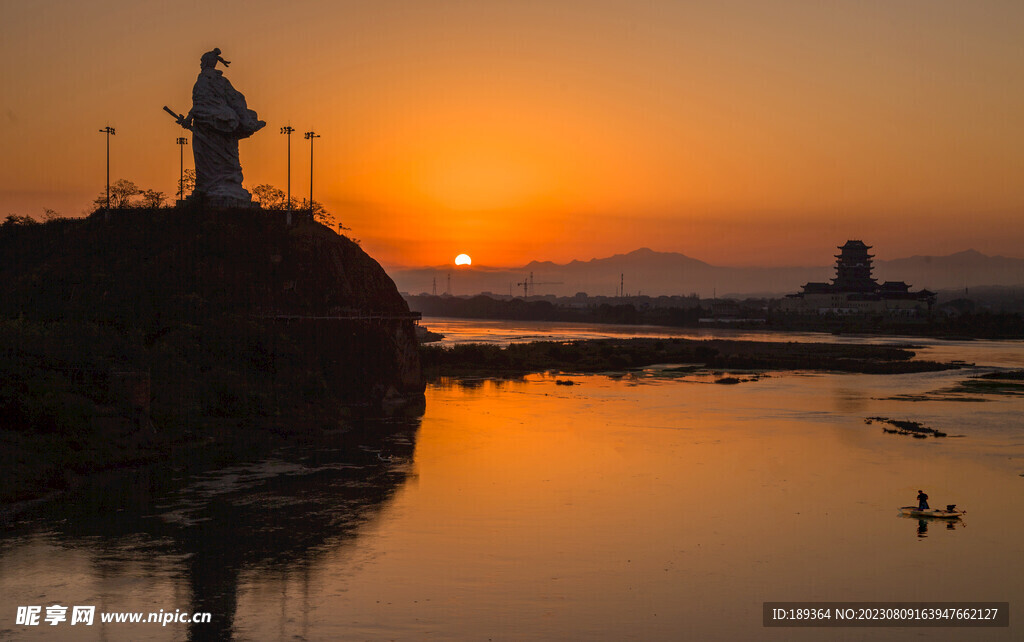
853	268
855	291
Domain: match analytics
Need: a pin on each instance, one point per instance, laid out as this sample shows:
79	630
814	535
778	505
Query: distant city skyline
738	132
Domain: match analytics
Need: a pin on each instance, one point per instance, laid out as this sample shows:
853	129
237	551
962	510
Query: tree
152	198
269	197
121	193
273	198
188	184
321	215
16	219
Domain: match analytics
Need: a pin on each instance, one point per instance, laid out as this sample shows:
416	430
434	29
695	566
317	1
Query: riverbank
691	312
599	355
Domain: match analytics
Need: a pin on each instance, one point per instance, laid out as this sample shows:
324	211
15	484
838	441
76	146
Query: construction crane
528	285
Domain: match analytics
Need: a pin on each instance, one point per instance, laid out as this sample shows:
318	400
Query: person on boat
922	500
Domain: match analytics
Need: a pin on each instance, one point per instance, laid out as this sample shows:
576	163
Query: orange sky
734	132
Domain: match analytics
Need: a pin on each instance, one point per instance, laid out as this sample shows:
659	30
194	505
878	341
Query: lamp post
288	132
182	141
109	131
310	136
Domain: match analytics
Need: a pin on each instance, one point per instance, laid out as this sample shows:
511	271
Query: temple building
854	291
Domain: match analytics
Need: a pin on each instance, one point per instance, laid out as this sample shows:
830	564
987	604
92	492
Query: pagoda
853	269
855	291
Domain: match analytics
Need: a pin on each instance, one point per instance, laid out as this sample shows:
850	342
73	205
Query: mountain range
647	272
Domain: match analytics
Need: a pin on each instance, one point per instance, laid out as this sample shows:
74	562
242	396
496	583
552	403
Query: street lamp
109	131
182	141
288	132
310	136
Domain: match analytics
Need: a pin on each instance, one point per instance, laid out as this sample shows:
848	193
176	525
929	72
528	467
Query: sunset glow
746	290
738	133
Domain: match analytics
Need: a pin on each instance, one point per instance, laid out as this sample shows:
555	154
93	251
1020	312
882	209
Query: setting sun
463	259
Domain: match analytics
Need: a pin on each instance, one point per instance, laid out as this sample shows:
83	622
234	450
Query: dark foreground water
653	505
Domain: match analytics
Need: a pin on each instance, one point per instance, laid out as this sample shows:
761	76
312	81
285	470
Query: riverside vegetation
598	355
689	312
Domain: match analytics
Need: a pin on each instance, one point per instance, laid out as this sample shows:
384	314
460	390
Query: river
650	505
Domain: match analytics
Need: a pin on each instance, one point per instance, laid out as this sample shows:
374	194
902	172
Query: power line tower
528	285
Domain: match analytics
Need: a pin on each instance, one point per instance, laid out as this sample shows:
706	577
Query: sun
463	259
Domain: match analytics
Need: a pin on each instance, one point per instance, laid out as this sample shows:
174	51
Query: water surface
651	505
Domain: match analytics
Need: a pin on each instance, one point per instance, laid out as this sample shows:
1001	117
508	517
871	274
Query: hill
122	335
966	269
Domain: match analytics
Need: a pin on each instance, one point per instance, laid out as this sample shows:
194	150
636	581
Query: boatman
922	499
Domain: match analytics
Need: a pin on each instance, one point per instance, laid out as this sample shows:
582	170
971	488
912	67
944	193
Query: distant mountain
642	259
642	271
645	271
963	269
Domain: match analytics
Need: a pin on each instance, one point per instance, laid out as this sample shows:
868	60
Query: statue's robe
220	118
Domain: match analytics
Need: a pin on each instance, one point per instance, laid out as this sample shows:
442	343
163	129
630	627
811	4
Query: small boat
950	512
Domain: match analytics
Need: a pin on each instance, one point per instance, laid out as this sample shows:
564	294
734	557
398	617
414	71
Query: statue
219	118
210	59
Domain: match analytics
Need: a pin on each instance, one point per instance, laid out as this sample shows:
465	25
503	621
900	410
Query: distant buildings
853	291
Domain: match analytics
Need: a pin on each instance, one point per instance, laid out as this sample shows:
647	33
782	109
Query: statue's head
209	59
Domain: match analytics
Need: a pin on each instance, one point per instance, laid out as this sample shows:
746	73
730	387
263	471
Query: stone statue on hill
219	118
211	58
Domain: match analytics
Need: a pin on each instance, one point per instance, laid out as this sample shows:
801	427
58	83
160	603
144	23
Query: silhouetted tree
273	198
188	182
121	193
152	198
17	219
321	215
269	197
